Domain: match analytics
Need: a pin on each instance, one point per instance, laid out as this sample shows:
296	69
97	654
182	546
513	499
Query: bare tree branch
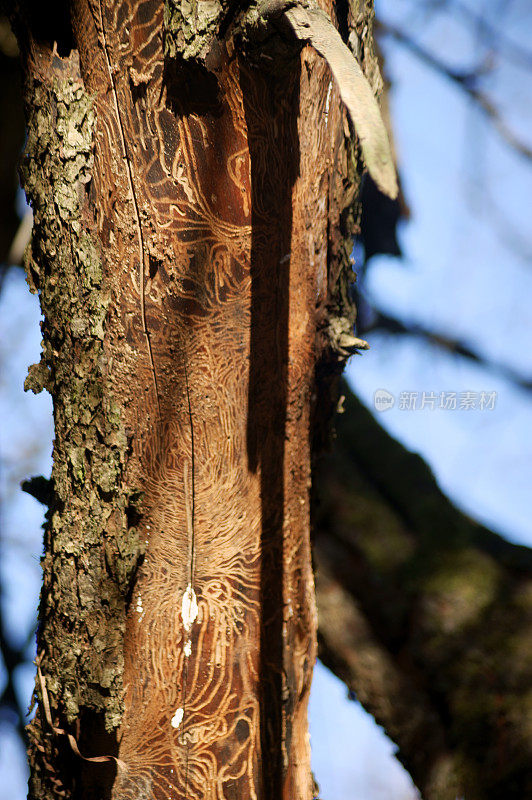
467	81
498	40
386	323
425	614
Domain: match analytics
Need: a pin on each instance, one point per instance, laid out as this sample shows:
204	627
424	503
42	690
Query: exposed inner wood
211	195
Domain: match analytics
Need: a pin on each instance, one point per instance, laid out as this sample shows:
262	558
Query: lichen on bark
191	27
90	549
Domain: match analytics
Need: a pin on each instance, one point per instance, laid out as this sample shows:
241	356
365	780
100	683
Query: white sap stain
177	719
140	609
189	607
187	648
328	102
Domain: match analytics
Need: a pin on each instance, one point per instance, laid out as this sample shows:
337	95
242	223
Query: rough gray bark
91	545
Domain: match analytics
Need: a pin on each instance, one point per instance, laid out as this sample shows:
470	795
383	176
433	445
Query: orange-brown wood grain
211	198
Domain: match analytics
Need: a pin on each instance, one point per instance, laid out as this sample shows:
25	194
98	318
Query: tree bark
191	237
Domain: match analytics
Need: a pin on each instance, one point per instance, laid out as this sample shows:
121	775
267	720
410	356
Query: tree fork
190	240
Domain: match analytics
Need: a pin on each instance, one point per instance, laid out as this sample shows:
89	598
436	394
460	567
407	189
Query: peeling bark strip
190	240
313	25
310	23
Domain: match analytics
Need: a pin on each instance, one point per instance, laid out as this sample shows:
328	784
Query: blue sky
467	271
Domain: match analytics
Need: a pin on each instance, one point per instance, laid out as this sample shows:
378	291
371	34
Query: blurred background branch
467	81
420	608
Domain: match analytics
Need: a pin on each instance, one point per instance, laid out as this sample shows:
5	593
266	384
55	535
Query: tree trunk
189	241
